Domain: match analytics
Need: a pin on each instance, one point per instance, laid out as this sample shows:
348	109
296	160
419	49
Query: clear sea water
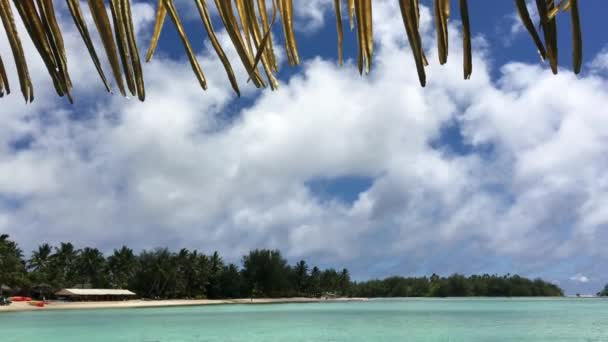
466	320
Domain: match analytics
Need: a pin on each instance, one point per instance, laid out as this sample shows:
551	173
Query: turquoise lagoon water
466	320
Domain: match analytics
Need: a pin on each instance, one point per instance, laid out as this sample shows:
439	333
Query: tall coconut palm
12	266
249	28
62	265
301	276
40	259
90	265
216	266
39	266
122	267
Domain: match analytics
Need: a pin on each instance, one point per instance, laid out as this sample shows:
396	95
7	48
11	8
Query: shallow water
421	320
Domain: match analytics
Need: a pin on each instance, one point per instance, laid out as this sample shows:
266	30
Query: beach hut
95	295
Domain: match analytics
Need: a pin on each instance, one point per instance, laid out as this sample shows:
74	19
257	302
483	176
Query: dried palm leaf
240	7
549	27
265	43
417	5
250	31
100	17
564	5
363	13
170	6
351	13
256	34
120	34
3	80
230	23
132	44
28	13
127	46
466	39
55	38
577	36
8	21
161	14
410	21
368	32
442	14
340	30
360	44
78	17
206	17
286	11
269	47
524	14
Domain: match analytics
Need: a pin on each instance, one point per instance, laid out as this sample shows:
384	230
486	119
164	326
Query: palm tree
301	276
12	266
62	265
216	267
122	267
40	259
249	29
89	266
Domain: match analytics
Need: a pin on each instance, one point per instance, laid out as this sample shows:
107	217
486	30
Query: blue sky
500	174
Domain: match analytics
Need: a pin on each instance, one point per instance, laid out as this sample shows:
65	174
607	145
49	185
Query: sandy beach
56	305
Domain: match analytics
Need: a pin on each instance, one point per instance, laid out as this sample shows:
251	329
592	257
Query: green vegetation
456	286
161	273
604	292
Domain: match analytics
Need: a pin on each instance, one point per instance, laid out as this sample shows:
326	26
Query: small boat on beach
20	299
36	303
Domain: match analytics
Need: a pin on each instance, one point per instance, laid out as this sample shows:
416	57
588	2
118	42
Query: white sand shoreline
133	304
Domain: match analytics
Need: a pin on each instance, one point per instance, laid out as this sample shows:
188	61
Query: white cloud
310	15
194	169
600	62
579	278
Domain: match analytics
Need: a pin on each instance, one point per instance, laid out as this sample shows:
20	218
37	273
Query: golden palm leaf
250	29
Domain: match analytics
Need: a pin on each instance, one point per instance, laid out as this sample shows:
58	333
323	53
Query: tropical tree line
457	286
161	273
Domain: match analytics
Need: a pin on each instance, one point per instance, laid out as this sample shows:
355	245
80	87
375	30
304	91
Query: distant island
186	274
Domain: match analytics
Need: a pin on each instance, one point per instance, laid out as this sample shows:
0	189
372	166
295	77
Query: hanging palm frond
249	26
6	13
466	40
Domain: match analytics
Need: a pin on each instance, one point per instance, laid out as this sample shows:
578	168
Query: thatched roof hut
95	294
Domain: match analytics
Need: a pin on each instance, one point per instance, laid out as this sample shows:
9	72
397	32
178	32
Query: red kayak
20	299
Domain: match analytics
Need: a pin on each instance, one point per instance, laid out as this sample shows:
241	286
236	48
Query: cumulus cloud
579	278
600	62
202	170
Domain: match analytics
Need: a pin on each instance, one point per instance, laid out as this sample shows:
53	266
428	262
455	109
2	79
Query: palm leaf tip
442	14
4	85
466	37
79	21
102	22
161	14
549	27
206	18
409	15
198	71
10	27
339	29
524	14
577	36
